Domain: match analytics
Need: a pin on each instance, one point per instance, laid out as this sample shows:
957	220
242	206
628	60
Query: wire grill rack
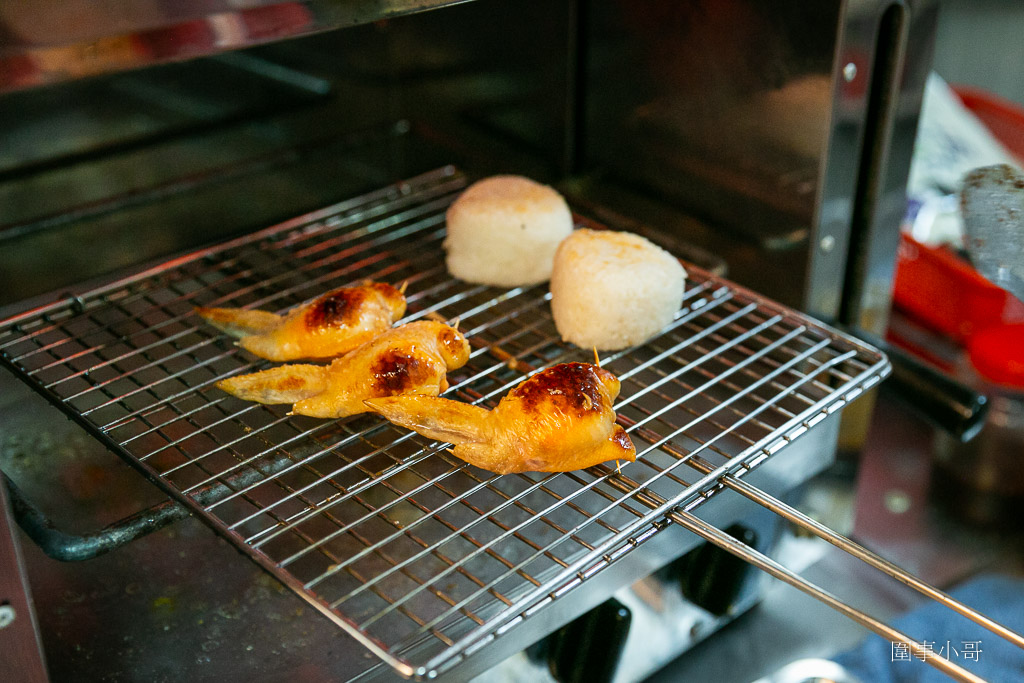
420	556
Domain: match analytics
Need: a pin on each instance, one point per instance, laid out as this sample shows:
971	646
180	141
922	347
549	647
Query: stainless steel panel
883	55
723	110
51	41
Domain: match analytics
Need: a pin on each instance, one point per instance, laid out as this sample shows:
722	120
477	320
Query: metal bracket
73	547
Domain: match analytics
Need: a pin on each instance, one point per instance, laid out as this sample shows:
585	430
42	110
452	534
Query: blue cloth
998	597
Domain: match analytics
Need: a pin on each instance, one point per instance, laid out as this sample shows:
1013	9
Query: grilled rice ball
611	290
504	230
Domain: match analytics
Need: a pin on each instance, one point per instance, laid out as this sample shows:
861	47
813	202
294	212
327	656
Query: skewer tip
455	323
597	359
403	286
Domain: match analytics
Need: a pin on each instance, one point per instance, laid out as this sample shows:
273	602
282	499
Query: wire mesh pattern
420	556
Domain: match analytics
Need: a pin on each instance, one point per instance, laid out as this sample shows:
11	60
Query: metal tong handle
861	553
726	542
723	540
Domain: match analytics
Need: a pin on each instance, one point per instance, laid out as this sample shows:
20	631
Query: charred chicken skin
410	359
560	419
329	326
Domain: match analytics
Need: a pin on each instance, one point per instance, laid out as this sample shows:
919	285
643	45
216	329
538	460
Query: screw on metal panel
7	615
850	72
827	243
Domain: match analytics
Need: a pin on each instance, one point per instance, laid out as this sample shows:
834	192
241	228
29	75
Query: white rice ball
612	290
504	230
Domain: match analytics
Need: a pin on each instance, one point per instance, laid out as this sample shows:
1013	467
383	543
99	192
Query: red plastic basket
1003	118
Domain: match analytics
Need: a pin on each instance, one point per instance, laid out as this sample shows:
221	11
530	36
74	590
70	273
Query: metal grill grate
420	556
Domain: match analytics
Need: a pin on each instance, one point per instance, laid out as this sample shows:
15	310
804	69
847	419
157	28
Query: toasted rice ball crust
612	290
504	231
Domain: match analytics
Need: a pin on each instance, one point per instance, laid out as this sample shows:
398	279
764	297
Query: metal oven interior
784	168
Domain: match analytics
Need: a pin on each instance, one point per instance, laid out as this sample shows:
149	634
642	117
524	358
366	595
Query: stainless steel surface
976	39
992	199
103	174
735	379
56	40
756	160
873	124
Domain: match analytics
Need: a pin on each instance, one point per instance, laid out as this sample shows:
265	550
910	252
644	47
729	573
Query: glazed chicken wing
330	325
411	359
560	419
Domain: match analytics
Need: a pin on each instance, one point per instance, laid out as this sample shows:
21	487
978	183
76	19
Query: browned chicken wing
330	325
560	419
411	359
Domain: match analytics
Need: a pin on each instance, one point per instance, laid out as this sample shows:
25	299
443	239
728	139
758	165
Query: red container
1003	118
941	290
935	285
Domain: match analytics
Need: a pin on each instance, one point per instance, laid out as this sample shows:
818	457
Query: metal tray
421	557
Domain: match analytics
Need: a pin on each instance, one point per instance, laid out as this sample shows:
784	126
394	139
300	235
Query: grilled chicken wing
411	359
330	325
560	419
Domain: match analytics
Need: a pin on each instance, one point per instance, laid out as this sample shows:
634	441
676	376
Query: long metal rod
726	542
853	548
869	557
847	545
